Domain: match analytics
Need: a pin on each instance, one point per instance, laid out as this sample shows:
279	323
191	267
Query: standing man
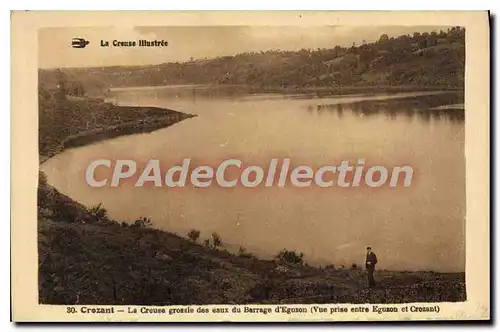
371	260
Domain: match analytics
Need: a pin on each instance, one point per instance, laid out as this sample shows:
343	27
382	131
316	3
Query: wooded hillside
428	60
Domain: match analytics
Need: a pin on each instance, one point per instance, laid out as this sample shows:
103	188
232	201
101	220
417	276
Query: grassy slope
88	263
71	122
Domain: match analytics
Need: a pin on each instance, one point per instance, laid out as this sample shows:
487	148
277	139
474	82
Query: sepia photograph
259	168
389	95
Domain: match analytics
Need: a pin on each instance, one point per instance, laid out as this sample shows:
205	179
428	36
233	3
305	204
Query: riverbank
86	257
112	263
66	123
214	89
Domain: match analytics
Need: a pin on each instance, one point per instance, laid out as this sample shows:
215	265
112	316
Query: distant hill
427	60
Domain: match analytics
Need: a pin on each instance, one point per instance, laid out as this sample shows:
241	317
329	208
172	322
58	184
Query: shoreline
320	90
126	129
99	135
149	119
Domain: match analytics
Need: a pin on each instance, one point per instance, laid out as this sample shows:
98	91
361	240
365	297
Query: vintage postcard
250	166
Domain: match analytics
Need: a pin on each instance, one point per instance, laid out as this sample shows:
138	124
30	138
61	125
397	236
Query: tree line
420	59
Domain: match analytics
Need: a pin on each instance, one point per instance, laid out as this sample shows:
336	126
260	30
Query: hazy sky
197	42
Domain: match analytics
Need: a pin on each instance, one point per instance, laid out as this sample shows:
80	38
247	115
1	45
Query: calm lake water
420	227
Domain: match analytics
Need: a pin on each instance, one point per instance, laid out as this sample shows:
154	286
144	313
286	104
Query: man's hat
369	248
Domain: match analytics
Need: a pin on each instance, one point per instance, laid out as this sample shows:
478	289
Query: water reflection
447	106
